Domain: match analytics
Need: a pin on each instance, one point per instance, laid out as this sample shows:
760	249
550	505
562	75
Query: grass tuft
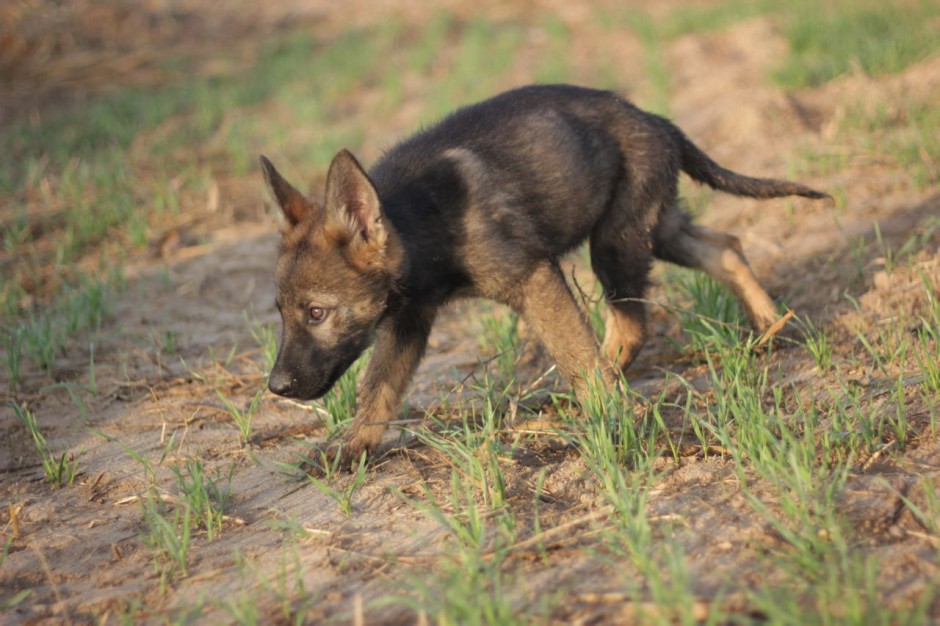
342	496
709	314
169	533
59	471
204	496
242	416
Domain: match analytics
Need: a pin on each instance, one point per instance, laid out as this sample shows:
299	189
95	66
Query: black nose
280	383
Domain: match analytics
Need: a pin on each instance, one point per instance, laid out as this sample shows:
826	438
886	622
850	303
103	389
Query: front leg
400	343
548	305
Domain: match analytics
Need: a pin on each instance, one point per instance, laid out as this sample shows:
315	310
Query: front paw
346	455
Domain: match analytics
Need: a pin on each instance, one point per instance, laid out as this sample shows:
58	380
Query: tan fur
380	393
626	332
547	304
720	256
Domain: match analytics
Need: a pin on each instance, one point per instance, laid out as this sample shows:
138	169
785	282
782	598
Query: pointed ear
295	206
352	202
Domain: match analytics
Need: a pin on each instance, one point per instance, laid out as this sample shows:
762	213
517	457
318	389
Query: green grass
8	603
12	340
877	38
902	135
59	471
168	534
85	166
791	458
472	447
709	314
338	405
710	17
499	340
287	585
265	336
115	168
242	608
484	51
205	497
473	579
793	470
906	133
826	39
554	65
342	496
817	343
172	522
41	336
242	417
928	338
620	448
468	585
843	591
652	35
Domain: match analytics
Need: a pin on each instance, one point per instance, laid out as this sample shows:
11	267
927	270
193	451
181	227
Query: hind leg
719	255
621	261
626	331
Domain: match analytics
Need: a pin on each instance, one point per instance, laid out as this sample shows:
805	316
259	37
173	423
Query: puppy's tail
702	168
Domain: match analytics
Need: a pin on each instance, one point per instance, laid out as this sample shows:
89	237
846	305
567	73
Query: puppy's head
332	277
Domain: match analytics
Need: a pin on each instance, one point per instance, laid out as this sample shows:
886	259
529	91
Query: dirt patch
179	337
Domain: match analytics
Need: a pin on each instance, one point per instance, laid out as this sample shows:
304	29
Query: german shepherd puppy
484	204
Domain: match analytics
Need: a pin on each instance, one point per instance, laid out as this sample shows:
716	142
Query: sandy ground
79	549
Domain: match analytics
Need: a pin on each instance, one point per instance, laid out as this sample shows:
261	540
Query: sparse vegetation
203	496
339	404
872	37
817	344
59	471
708	312
499	341
266	338
729	482
332	473
168	534
242	416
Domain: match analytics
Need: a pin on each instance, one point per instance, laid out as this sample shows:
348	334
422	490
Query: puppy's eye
316	314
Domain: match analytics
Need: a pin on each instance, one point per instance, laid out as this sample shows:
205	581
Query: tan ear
294	204
352	203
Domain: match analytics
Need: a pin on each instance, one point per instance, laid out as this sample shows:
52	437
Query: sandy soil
79	549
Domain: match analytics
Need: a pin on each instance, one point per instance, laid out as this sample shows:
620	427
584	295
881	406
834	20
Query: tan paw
342	455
